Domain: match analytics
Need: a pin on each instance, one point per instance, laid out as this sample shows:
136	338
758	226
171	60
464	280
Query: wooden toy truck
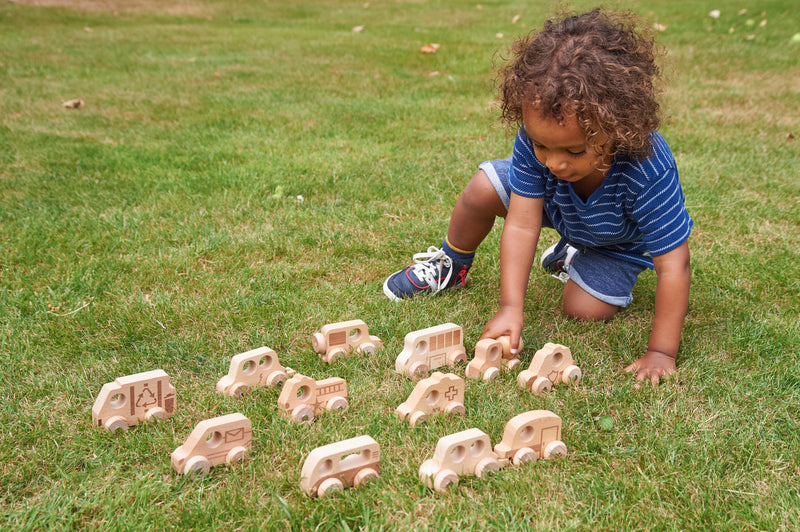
490	357
144	396
303	398
336	339
429	349
257	367
552	363
333	467
437	393
464	453
214	441
529	436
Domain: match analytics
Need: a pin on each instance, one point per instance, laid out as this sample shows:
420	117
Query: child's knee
580	305
480	195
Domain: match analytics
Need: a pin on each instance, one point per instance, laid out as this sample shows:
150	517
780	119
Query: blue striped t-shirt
636	213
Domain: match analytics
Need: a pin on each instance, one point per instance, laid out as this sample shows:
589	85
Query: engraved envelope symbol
234	435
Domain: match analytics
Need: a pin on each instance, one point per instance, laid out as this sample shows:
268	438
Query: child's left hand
654	366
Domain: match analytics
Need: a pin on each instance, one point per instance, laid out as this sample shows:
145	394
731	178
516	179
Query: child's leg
483	199
579	304
474	214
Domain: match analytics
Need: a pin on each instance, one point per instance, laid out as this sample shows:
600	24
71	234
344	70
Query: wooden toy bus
333	467
303	398
429	349
336	339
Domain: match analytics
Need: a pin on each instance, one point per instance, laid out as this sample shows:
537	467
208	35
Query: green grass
158	227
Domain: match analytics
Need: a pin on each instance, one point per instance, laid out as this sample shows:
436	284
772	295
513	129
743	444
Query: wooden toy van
429	349
492	355
529	436
551	364
438	393
258	367
333	467
337	339
303	398
144	396
223	439
464	453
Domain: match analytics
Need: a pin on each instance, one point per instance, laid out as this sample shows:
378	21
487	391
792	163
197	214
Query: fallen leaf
77	103
217	75
516	19
762	23
358	29
750	37
714	14
499	35
660	27
790	137
87	29
606	422
478	7
796	37
742	12
429	48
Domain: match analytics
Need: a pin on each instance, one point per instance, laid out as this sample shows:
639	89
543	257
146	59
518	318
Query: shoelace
429	268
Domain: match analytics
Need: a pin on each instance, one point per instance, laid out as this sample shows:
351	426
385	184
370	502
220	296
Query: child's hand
507	322
654	365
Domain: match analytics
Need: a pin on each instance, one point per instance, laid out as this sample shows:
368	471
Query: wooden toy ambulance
529	436
429	349
346	463
214	441
490	357
551	364
303	398
464	453
126	401
437	393
337	339
258	367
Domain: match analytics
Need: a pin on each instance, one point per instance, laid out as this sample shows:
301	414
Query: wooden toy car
258	367
464	453
126	401
336	339
437	393
490	357
429	349
303	398
212	442
552	363
529	436
333	467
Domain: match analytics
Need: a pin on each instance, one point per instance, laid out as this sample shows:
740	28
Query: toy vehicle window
355	335
303	393
265	362
326	467
557	358
421	347
432	397
214	439
458	453
477	448
249	367
526	434
118	400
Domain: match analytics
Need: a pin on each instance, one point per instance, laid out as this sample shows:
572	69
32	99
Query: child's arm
517	248
672	300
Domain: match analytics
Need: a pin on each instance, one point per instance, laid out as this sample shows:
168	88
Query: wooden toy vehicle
212	442
303	398
437	393
552	363
490	357
336	339
257	367
529	436
333	467
144	396
464	453
429	349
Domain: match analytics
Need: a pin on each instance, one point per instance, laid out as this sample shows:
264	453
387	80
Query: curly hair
597	66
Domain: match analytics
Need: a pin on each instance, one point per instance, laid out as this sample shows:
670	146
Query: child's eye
576	153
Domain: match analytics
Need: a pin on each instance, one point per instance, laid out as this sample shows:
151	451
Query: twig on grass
86	304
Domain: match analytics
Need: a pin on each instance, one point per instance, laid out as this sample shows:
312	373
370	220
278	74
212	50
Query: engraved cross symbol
451	393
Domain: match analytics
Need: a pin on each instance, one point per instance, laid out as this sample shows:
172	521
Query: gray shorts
609	279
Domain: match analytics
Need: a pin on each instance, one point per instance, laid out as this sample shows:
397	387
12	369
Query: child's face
562	147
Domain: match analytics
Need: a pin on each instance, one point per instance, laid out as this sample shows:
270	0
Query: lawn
242	173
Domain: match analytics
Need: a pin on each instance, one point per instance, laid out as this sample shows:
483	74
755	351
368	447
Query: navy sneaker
432	272
557	259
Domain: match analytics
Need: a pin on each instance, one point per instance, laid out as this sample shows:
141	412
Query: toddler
588	162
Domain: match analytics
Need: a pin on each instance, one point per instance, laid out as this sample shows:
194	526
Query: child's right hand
506	322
